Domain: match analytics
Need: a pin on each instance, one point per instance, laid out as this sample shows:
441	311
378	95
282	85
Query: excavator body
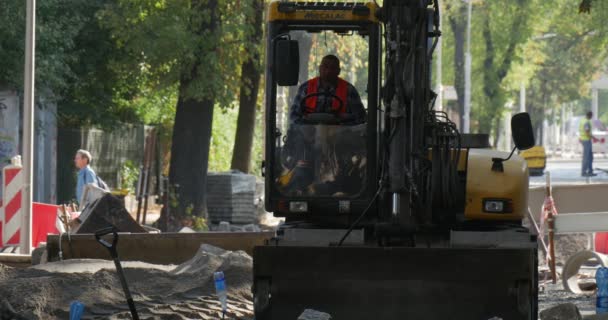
398	216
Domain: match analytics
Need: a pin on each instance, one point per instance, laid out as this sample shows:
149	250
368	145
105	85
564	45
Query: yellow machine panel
483	184
313	11
536	158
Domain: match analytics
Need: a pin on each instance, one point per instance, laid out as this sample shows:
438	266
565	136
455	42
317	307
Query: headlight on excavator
298	206
498	205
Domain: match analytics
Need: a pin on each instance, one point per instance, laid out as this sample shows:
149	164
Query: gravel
160	292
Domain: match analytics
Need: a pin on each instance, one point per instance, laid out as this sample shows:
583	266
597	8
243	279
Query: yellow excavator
398	216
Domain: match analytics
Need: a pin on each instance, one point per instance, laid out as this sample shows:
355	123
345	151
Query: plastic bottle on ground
601	279
220	289
76	310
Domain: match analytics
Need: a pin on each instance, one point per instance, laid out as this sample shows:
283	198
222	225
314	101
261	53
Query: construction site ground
186	291
183	291
551	295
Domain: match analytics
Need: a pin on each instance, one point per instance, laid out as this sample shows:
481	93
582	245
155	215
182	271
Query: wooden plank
571	198
15	259
160	248
8	249
581	222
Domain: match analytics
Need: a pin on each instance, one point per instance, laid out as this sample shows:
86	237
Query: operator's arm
295	111
356	111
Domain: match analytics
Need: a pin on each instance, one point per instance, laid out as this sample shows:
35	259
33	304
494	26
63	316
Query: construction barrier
12	183
45	221
582	209
601	242
45	217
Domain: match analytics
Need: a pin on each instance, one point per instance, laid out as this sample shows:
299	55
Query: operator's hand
346	116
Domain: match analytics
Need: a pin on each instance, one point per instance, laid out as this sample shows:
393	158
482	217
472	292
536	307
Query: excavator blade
395	283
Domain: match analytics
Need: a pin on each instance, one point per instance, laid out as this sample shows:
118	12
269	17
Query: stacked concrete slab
230	197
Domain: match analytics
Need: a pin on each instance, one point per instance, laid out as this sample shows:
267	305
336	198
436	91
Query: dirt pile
160	292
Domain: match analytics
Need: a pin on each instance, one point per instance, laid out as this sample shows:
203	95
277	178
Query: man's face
79	161
329	70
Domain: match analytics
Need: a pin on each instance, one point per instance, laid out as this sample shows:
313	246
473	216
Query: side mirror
521	129
286	66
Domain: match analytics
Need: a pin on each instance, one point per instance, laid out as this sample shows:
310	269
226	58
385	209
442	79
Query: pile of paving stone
231	197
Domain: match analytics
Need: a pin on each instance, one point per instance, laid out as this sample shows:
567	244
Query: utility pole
467	75
522	97
25	243
439	89
595	102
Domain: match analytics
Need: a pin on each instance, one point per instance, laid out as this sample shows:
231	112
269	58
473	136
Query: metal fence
110	151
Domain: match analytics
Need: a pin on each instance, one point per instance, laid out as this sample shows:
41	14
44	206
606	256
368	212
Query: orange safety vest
341	92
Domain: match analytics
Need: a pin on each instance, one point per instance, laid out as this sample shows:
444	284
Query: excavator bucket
395	283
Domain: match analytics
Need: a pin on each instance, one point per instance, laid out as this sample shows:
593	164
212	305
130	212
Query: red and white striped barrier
45	217
12	182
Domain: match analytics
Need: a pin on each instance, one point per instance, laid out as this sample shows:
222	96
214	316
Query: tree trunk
190	141
494	71
243	142
250	84
189	160
497	126
458	24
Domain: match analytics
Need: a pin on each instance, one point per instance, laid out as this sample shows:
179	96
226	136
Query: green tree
58	24
456	13
570	59
75	61
196	47
248	92
505	27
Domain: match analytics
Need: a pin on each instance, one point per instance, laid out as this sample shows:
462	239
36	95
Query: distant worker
328	93
86	175
586	137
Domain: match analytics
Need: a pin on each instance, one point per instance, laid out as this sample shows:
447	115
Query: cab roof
312	13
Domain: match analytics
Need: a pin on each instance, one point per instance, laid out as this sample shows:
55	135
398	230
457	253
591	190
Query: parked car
536	159
599	132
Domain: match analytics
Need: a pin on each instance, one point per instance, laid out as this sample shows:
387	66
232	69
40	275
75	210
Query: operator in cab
327	94
325	145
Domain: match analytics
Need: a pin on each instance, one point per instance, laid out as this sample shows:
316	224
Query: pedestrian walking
86	175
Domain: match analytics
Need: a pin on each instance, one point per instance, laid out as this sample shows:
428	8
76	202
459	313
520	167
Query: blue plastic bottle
76	310
220	289
601	279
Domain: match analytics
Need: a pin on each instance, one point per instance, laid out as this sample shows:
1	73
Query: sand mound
160	292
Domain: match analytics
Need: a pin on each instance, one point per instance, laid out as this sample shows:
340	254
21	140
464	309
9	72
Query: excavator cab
319	166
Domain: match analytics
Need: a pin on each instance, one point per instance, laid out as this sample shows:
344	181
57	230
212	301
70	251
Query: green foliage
57	25
222	141
564	63
557	53
199	224
129	173
173	45
75	61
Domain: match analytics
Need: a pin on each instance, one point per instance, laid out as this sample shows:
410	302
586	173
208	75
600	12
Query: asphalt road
568	171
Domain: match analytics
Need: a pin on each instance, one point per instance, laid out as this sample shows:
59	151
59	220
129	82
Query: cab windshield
320	124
